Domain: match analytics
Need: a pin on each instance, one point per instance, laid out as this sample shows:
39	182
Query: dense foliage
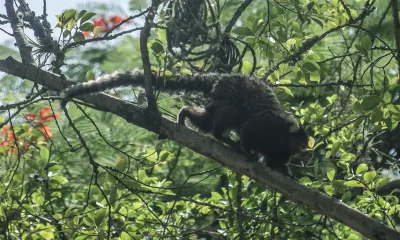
87	174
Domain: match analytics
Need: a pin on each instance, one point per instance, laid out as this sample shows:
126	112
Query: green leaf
87	16
47	232
58	216
69	213
353	236
79	37
87	27
332	25
370	102
125	236
296	27
391	123
186	72
99	217
376	115
311	66
310	5
286	90
353	183
90	75
311	142
387	97
165	155
318	21
344	165
246	67
243	31
68	15
257	24
305	181
330	190
44	154
366	43
291	41
298	75
71	24
357	107
151	155
393	108
58	179
142	176
70	223
382	181
362	168
31	163
335	148
346	196
28	208
96	30
205	210
216	196
81	13
315	77
157	47
88	221
121	165
66	33
162	35
347	157
369	176
331	174
123	210
392	210
361	49
39	200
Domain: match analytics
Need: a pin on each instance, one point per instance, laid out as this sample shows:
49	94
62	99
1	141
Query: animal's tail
197	82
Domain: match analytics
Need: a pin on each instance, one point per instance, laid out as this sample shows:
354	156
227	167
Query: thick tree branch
213	149
17	25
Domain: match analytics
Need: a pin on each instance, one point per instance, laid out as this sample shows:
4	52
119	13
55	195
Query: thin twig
396	25
144	37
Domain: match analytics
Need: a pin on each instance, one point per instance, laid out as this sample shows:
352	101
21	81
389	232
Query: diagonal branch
213	149
236	16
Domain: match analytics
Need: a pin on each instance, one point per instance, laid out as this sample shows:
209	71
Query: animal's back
250	96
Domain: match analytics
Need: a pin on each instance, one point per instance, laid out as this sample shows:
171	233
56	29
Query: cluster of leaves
120	181
19	138
74	24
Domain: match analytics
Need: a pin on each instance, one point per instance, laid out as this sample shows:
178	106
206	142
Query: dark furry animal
245	105
251	109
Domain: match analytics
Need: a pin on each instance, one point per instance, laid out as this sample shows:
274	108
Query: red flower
115	20
107	23
98	22
46	115
8	139
101	22
7	133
